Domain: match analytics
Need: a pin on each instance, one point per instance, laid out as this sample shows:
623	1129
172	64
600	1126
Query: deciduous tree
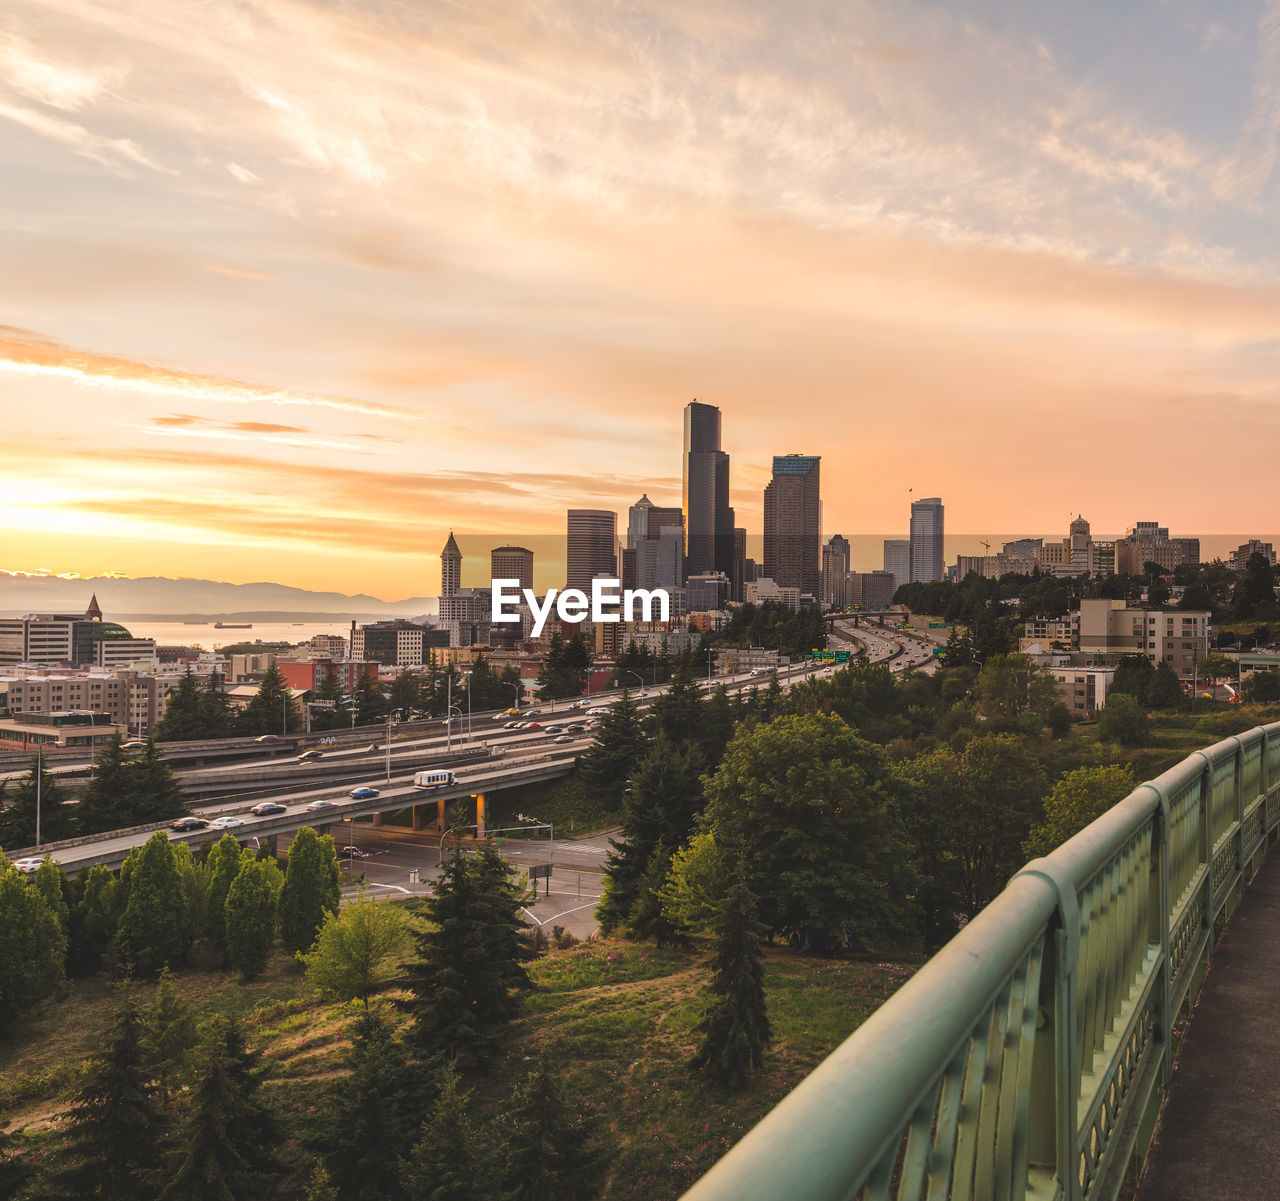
359	948
1075	800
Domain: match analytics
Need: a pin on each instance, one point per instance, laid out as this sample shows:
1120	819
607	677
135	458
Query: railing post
1206	847
1163	905
1052	1128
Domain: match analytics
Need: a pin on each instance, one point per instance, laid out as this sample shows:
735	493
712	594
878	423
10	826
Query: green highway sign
831	656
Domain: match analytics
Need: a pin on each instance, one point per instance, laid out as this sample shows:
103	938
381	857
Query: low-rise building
1083	689
1179	637
78	729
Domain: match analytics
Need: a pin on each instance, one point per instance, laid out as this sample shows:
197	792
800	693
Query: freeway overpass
111	848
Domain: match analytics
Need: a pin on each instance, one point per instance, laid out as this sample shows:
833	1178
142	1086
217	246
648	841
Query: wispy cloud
24	352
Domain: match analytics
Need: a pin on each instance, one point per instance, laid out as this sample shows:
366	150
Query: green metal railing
1028	1058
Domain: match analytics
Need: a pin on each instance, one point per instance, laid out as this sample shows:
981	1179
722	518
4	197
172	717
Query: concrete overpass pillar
419	817
440	816
377	819
479	815
273	841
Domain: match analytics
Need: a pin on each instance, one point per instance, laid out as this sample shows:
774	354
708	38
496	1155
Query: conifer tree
221	867
619	746
169	1035
734	1030
18	816
114	1129
466	982
104	804
215	713
251	918
553	1155
311	889
154	792
154	926
273	710
33	948
661	807
450	1160
183	720
369	1116
93	920
51	884
649	918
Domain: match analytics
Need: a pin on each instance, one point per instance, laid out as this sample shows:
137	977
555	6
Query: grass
619	1020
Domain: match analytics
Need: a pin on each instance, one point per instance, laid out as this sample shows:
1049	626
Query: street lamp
638	676
519	688
39	781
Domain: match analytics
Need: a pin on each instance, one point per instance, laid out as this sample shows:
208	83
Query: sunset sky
293	288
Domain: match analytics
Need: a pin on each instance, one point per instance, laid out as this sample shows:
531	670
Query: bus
434	779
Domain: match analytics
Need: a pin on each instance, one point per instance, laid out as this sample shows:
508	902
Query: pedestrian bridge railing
1029	1057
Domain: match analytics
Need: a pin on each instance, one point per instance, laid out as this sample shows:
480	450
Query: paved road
389	853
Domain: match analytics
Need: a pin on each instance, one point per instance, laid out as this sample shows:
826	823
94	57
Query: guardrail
1028	1058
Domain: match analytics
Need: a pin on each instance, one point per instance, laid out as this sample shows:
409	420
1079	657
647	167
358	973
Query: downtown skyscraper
709	519
592	547
926	540
793	524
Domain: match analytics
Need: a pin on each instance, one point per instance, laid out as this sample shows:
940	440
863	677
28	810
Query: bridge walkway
1216	1137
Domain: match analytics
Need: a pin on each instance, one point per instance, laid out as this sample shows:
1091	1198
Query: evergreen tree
311	889
369	1116
251	919
465	984
329	690
678	713
155	924
254	1128
104	804
50	883
1164	691
660	807
734	1030
18	817
154	794
209	1166
183	720
33	948
450	1160
169	1035
214	711
320	1184
553	1155
649	918
114	1129
221	867
368	700
619	745
273	710
93	920
1134	674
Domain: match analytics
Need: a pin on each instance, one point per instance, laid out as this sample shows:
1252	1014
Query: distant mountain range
159	598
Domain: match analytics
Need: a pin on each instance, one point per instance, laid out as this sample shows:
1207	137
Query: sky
291	289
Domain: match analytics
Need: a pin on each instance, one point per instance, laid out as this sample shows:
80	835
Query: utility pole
388	748
39	781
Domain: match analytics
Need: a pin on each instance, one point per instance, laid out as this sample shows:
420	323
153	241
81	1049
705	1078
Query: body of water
205	636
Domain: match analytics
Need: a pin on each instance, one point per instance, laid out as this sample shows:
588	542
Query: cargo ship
233	625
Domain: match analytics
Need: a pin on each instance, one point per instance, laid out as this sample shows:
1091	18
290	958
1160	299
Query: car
553	729
513	725
226	823
188	823
563	738
267	808
134	744
503	715
27	866
532	712
592	725
509	713
267	738
316	806
575	728
353	853
533	725
363	794
308	756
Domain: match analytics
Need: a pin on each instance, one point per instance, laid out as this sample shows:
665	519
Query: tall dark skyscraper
793	524
708	515
593	547
926	540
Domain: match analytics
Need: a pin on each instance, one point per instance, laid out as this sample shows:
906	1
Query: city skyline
461	267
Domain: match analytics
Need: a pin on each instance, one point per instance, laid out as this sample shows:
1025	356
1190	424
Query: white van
434	779
598	711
